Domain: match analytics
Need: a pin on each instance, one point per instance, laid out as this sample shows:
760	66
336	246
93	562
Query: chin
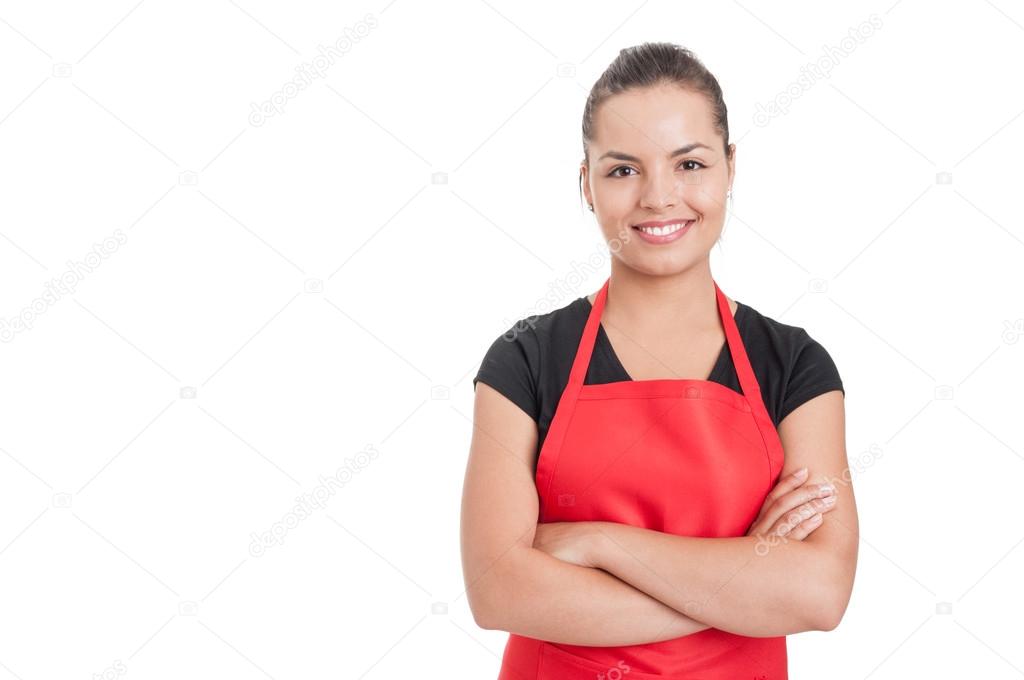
662	266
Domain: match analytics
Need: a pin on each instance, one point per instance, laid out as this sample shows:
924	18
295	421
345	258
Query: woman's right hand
793	509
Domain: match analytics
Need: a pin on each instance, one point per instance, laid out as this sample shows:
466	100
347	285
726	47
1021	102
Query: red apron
680	456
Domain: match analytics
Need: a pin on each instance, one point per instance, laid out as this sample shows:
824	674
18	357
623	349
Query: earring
591	207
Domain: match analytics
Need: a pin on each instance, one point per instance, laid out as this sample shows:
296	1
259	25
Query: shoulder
781	338
515	360
796	365
538	332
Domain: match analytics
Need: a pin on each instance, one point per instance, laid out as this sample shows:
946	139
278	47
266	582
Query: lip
667	238
662	223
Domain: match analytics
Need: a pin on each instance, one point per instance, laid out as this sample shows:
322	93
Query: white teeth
664	231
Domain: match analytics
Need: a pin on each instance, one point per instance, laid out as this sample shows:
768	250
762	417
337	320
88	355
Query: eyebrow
618	155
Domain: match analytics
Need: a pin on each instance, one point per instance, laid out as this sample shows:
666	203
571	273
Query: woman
646	490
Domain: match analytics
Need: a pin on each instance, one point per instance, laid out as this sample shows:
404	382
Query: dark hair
651	64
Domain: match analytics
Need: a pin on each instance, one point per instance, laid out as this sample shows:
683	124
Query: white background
282	298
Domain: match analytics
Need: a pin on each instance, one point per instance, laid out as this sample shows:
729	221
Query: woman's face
655	156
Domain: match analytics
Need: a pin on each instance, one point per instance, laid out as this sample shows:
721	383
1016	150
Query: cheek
617	193
613	233
706	199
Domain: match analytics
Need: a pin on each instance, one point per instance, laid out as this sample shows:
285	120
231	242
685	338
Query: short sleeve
814	373
507	366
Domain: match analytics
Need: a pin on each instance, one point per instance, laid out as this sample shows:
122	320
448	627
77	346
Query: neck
684	300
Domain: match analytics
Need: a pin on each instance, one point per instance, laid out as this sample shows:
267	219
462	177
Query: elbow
482	620
815	614
493	593
830	605
826	619
480	599
488	617
838	609
480	616
829	618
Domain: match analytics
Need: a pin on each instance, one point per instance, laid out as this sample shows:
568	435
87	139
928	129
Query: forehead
653	120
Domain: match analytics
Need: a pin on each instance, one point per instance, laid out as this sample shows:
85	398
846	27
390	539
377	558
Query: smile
665	233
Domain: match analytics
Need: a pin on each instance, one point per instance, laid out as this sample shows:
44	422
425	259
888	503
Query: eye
621	167
614	171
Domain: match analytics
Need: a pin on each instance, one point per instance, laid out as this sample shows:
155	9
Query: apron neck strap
586	347
744	371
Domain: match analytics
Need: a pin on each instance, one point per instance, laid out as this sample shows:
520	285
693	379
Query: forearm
533	594
732	584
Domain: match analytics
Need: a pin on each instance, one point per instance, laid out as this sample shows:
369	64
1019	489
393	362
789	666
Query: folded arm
744	585
531	593
512	586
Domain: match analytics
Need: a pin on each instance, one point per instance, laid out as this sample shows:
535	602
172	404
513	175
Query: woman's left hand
568	541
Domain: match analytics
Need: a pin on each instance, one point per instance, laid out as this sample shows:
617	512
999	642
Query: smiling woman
646	491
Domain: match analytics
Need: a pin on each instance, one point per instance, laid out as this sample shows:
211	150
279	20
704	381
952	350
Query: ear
732	164
585	180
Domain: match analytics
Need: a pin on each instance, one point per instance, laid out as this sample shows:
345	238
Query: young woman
657	484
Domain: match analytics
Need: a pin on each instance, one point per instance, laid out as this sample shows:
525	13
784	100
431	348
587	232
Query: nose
660	191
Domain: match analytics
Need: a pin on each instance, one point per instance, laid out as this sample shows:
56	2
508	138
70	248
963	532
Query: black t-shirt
530	363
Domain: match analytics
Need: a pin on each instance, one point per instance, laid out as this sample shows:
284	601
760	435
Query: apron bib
679	456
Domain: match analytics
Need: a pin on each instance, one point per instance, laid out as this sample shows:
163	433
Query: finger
793	519
786	485
809	509
804	529
814	512
797	497
782	488
781	515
